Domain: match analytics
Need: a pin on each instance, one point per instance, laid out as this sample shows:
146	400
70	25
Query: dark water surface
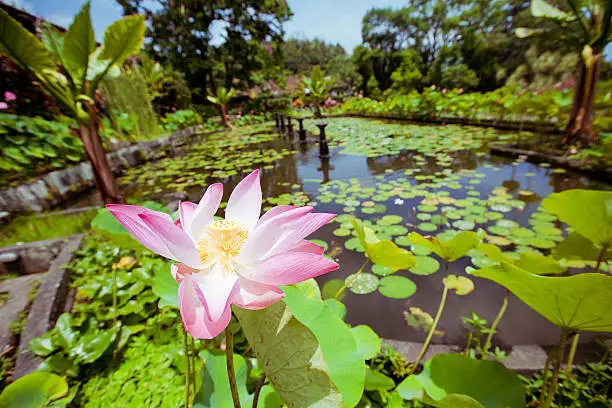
520	324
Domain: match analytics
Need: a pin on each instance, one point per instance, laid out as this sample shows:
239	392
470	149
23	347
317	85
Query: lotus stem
544	389
187	369
229	357
431	332
260	384
572	354
193	365
346	284
556	368
502	310
600	258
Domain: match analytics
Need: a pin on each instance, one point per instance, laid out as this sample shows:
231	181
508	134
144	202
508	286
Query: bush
181	119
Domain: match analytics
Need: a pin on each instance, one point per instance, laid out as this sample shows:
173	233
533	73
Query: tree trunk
317	108
224	113
97	156
579	129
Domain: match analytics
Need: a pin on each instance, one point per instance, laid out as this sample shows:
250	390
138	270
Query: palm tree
69	67
222	98
318	86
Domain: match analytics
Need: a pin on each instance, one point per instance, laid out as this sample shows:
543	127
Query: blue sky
336	21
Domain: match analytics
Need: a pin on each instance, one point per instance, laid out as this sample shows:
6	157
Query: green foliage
221	96
215	390
458	246
181	119
36	390
383	252
453	380
35	145
581	302
38	227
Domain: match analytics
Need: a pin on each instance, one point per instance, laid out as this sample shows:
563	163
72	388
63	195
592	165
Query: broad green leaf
122	39
581	302
342	355
460	284
42	345
165	287
79	43
290	356
575	246
35	390
66	336
337	307
215	390
588	212
540	264
53	40
451	250
383	252
376	380
397	287
22	46
540	8
93	344
331	287
458	381
368	342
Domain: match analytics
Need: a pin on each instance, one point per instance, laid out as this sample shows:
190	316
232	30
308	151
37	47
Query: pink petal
275	211
307	246
244	204
289	268
195	315
129	217
204	213
218	286
179	244
186	209
267	234
179	270
256	296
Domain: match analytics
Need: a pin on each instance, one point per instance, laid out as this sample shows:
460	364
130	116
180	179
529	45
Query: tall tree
69	67
587	24
184	33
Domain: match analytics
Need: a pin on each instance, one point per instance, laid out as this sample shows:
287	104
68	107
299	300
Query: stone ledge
46	308
35	257
523	359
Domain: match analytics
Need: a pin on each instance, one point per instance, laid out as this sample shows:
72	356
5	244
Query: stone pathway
17	289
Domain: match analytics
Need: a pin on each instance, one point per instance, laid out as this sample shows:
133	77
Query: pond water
430	179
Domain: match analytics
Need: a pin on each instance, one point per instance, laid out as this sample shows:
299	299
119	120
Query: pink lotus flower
3	106
240	260
9	96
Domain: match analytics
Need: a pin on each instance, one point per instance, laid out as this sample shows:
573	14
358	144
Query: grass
39	227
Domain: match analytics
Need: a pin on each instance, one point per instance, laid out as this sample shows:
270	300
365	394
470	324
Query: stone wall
58	186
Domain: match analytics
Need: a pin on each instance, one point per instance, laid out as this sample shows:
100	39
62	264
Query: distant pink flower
460	90
9	96
3	105
433	86
240	260
443	90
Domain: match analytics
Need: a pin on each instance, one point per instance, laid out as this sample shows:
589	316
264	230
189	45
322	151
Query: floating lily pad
427	227
362	284
382	270
464	225
397	287
342	232
423	216
392	219
425	265
403	241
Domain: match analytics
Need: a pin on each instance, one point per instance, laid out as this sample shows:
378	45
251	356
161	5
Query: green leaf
22	46
65	334
290	356
337	307
454	380
397	287
343	358
540	8
53	40
451	250
34	390
79	43
581	302
122	39
42	345
93	344
540	264
368	342
383	252
331	287
524	32
575	246
165	287
588	212
376	380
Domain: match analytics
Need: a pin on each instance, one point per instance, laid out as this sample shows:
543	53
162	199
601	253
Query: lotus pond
398	178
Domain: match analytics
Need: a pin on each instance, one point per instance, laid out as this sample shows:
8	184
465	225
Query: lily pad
363	284
397	287
425	265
